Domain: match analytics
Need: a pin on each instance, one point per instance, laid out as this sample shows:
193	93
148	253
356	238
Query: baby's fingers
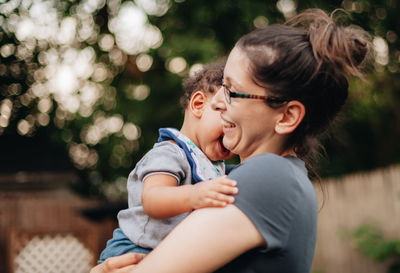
224	180
212	202
223	198
226	189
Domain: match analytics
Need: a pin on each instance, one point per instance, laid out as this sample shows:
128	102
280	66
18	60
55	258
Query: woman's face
248	124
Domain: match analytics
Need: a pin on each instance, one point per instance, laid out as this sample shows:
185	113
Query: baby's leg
120	244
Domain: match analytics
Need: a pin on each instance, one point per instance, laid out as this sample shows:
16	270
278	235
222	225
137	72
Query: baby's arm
162	198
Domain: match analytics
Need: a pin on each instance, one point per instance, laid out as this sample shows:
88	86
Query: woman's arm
203	242
162	198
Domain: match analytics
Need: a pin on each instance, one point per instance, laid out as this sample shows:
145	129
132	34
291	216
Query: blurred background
85	85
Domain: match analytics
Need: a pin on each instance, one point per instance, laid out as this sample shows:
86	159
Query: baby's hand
213	193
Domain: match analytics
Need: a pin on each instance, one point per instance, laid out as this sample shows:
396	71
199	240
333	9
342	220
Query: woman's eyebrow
237	86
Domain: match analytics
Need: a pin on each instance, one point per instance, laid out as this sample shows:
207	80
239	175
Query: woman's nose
218	101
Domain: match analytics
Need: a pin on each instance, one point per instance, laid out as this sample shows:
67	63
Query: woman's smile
226	124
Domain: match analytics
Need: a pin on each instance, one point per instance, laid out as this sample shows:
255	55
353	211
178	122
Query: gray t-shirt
141	229
277	196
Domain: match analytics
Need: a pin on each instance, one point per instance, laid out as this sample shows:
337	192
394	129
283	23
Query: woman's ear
291	116
197	103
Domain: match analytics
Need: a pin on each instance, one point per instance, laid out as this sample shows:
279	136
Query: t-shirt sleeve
268	195
165	158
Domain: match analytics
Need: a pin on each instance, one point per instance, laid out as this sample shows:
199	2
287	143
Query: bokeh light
144	62
131	131
195	68
176	65
287	7
154	7
82	156
260	22
381	50
70	61
133	33
141	92
106	42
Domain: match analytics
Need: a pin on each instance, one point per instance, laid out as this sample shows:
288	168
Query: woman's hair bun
347	48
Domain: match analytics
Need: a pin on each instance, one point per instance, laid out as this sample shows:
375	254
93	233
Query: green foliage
372	244
198	32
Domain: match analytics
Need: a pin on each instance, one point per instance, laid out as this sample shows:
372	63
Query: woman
283	86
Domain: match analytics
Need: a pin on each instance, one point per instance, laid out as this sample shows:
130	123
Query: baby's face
210	134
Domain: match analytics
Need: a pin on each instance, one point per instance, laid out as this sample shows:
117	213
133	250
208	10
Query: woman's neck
287	152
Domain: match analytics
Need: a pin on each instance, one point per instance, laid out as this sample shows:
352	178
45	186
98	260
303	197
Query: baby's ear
197	103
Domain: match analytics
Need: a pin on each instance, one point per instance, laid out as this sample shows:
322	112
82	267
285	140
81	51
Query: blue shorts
120	244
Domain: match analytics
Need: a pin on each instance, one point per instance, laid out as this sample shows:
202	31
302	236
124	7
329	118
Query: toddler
164	186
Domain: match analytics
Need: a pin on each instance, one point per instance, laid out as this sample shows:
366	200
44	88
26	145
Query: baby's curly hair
208	79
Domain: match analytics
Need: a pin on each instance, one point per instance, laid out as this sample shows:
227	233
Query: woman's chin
220	153
227	145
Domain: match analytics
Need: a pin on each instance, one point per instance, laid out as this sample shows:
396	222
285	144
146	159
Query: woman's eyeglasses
230	94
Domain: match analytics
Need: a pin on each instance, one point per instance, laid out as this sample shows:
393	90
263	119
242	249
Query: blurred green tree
97	78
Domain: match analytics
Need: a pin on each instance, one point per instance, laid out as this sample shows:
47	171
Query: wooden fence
42	208
349	202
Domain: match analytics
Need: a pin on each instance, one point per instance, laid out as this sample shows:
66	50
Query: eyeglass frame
231	94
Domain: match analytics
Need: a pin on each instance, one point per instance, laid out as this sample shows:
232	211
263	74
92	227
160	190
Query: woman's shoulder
276	195
272	173
270	158
273	164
